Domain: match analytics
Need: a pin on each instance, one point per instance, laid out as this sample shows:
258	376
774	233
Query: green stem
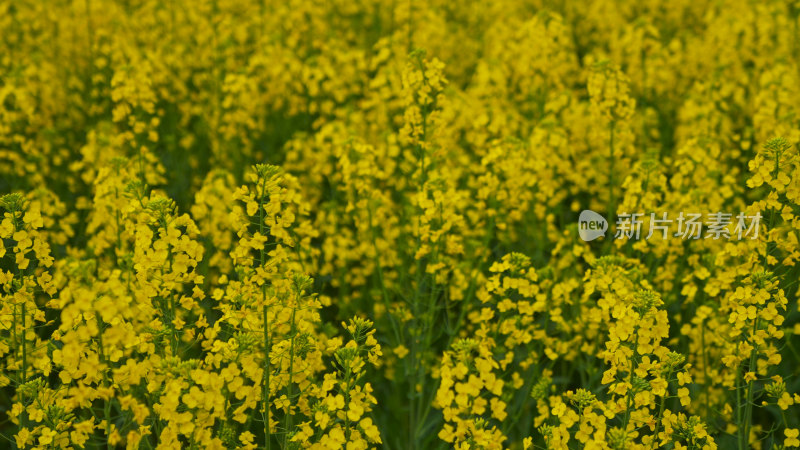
748	407
265	311
267	436
289	387
705	368
739	423
771	223
347	404
661	412
24	418
630	382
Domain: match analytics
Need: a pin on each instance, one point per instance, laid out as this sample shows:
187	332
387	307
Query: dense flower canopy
355	224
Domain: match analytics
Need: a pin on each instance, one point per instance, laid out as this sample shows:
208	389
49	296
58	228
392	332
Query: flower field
532	224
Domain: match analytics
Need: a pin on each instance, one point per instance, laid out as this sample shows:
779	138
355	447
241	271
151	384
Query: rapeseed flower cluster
352	225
